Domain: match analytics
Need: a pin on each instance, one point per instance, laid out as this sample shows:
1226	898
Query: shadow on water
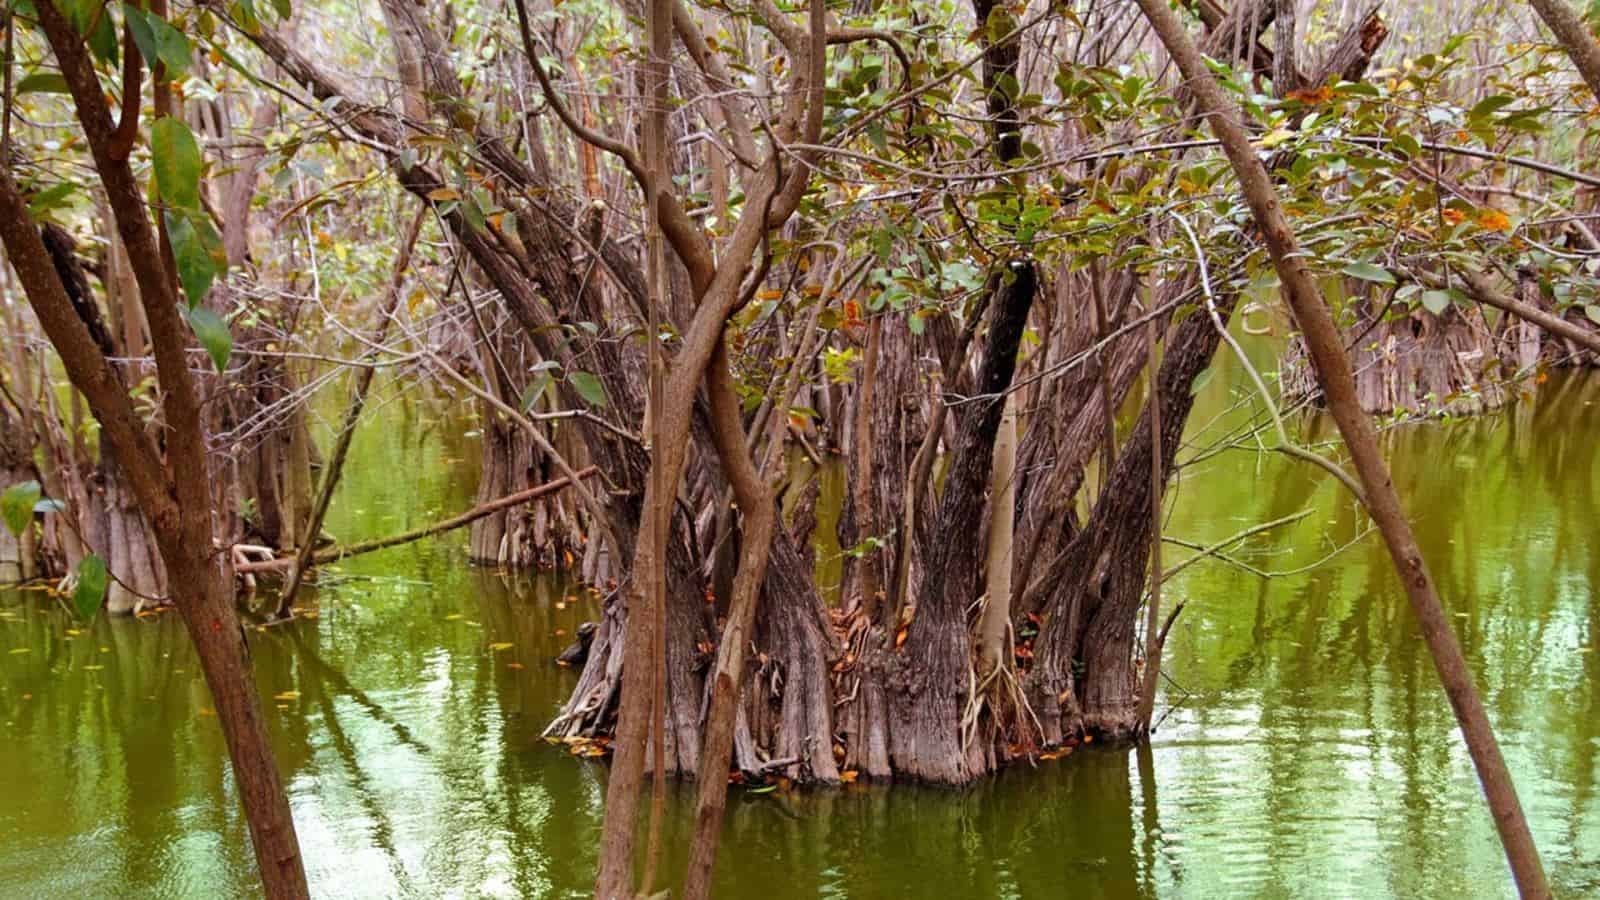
1308	753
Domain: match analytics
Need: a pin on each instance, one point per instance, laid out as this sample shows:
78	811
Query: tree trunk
1383	503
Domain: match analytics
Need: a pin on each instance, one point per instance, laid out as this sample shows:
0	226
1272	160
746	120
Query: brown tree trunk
1574	37
1333	368
173	491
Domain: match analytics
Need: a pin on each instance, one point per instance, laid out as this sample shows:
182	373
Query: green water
1306	749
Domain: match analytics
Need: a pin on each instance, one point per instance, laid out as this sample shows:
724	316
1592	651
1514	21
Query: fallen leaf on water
514	665
93	668
452	617
21	650
560	632
497	646
287	695
848	776
207	711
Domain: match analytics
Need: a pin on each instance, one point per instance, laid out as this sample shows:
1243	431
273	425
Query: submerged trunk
1413	364
1084	678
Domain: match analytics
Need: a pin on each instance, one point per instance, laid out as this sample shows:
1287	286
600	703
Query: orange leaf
848	776
1494	220
1312	96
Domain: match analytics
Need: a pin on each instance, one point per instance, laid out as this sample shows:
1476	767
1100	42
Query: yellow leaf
21	650
452	617
287	695
444	195
497	646
768	294
1275	137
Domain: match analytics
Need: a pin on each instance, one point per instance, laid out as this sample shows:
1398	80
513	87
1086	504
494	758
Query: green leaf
589	387
91	589
1488	106
103	40
213	333
144	36
176	157
173	47
197	265
53	197
245	12
16	506
536	389
1436	302
1368	272
43	83
1593	312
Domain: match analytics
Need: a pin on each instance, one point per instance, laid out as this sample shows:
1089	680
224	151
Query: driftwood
334	554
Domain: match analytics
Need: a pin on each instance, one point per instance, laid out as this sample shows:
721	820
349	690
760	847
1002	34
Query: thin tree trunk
179	506
757	505
871	585
1333	369
643	715
996	617
1158	480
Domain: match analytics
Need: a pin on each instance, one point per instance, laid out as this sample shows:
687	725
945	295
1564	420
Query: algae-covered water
1305	748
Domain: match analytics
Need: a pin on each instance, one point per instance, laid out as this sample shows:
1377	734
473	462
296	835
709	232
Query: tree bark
1574	37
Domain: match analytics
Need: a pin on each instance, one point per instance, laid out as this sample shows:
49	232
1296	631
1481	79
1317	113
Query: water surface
1306	749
